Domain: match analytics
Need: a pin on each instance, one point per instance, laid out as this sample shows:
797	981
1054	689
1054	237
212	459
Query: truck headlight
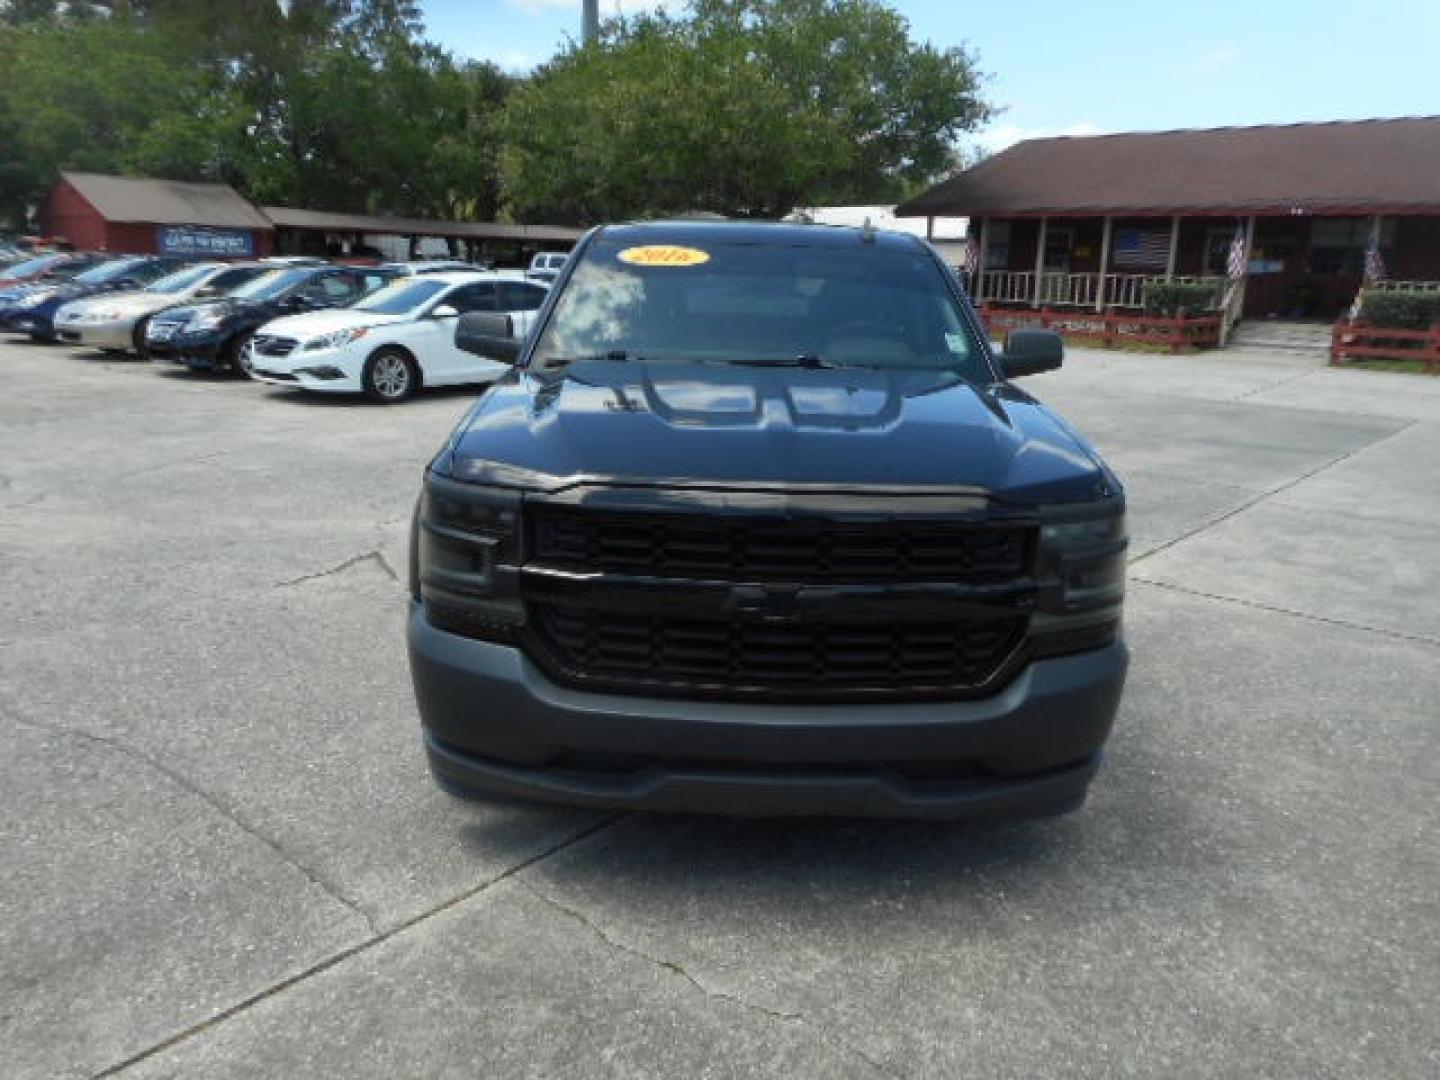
466	541
1081	577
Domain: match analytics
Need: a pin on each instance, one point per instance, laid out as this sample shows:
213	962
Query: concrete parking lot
222	855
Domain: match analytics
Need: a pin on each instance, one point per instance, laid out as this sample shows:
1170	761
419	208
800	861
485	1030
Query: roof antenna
867	231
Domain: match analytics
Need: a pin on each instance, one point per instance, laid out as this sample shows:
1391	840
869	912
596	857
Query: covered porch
1296	266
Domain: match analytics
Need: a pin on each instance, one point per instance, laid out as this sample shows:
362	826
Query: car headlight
335	338
1081	576
35	299
206	320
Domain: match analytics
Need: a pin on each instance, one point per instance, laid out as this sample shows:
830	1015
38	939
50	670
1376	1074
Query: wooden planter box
1110	328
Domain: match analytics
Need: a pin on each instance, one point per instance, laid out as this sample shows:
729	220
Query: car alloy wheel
245	357
389	376
137	338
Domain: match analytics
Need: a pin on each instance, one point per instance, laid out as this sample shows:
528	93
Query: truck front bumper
495	725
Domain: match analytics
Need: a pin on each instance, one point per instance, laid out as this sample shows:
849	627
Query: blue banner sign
195	240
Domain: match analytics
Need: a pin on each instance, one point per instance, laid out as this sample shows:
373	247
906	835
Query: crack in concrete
709	993
375	554
177	778
1259	605
1249	504
335	959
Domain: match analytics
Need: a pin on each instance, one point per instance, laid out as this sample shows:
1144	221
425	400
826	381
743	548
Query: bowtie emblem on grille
770	603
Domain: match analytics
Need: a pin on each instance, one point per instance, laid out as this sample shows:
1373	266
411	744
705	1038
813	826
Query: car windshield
268	286
764	304
181	279
401	296
32	266
107	271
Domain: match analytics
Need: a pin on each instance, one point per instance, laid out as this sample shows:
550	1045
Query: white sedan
395	340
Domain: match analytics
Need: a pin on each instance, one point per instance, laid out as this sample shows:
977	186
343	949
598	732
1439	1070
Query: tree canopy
330	104
745	107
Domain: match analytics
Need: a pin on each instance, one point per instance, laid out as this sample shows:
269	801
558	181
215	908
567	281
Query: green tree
333	104
746	107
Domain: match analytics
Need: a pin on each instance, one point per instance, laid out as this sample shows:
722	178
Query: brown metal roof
1365	166
166	202
292	218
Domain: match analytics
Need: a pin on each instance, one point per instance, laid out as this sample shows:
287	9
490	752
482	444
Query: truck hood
735	425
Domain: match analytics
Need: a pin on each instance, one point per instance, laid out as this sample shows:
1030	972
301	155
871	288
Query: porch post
984	257
930	227
1040	259
1104	262
1249	240
1174	247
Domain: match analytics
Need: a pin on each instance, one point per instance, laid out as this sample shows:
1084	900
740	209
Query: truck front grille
742	658
771	549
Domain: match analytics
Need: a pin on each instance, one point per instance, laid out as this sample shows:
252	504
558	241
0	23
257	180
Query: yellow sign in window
663	255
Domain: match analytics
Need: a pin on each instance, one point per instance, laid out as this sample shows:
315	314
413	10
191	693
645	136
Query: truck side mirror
488	334
1029	352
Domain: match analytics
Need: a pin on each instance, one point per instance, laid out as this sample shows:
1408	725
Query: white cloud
1221	56
997	138
516	61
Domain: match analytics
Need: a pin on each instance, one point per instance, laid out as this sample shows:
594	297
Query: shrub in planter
1173	298
1397	309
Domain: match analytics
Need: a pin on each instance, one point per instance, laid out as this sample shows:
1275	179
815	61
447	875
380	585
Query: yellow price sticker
663	255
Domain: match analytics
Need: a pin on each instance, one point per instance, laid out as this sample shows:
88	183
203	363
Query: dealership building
1287	221
143	216
155	217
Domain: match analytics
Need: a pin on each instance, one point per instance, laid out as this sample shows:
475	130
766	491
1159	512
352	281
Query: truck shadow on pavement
786	867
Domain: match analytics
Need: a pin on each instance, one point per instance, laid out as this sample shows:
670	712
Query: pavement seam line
1305	374
1258	605
185	784
335	959
714	995
1250	504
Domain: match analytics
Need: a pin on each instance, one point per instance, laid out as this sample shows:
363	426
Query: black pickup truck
758	524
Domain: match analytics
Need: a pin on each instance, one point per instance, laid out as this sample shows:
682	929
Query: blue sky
1083	66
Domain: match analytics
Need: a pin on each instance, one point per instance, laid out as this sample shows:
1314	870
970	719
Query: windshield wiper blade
615	356
803	360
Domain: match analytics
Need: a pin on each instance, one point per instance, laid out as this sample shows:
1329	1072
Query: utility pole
590	20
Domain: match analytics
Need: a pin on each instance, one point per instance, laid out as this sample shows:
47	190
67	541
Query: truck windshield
763	304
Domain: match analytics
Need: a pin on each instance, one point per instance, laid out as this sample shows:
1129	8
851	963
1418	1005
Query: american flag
1235	263
1374	263
1142	249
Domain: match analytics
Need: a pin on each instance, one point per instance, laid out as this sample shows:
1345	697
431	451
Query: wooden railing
1006	286
1358	341
1061	289
1108	328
